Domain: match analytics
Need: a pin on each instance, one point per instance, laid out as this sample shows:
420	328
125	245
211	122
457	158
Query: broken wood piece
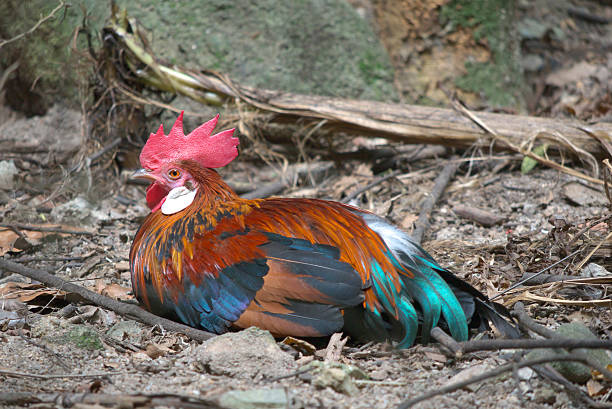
443	179
482	217
334	347
127	310
400	122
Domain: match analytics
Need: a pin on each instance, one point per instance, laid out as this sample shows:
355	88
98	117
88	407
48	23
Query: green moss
498	80
85	338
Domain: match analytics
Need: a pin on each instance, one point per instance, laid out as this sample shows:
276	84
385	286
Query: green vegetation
85	338
500	79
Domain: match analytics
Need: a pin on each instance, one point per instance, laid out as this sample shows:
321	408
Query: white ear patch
178	199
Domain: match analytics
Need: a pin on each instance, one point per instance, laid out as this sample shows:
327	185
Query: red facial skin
164	179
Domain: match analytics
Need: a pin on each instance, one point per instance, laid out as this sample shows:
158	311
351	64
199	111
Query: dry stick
92	158
490	374
498	344
552	164
68	400
441	182
370	186
34	27
278	185
547	371
526	322
47	229
126	310
588	226
54	376
513	286
446	340
402	122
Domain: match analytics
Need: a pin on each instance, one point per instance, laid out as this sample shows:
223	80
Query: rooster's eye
174	174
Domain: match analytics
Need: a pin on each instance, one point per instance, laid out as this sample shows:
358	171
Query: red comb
210	151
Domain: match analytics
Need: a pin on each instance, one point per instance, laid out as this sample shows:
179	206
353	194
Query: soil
43	333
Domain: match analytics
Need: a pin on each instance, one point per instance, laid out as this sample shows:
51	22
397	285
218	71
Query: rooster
296	267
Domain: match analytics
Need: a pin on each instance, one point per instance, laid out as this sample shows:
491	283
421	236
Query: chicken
298	267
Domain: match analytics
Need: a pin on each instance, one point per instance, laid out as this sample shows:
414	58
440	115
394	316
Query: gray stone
77	211
8	170
313	46
125	330
594	270
531	29
255	399
250	353
337	376
532	62
574	371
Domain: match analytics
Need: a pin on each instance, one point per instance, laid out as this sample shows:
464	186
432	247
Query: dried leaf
116	291
300	345
37	294
594	388
434	356
10	241
156	350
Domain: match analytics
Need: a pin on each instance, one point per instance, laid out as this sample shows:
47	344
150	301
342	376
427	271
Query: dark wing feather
234	276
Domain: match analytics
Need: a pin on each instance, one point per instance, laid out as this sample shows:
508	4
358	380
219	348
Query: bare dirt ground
50	342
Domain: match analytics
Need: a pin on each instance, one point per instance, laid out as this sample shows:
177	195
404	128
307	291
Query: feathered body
300	267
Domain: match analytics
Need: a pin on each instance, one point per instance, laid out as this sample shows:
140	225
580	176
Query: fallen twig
14	374
490	374
286	179
446	340
126	310
441	182
47	229
402	122
513	286
499	344
480	216
370	186
68	400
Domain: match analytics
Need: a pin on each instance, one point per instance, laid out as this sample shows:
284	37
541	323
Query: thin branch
35	27
488	375
568	343
48	229
527	323
513	286
68	400
127	310
441	182
370	186
57	376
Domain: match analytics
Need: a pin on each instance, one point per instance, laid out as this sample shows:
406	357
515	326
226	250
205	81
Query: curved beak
143	174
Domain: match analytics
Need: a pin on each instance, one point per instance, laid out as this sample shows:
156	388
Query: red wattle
156	195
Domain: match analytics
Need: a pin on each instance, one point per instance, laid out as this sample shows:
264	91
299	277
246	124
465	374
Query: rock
8	170
312	46
246	354
532	62
255	399
594	270
77	211
574	371
545	395
581	195
468	373
48	326
335	375
531	29
84	337
125	330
